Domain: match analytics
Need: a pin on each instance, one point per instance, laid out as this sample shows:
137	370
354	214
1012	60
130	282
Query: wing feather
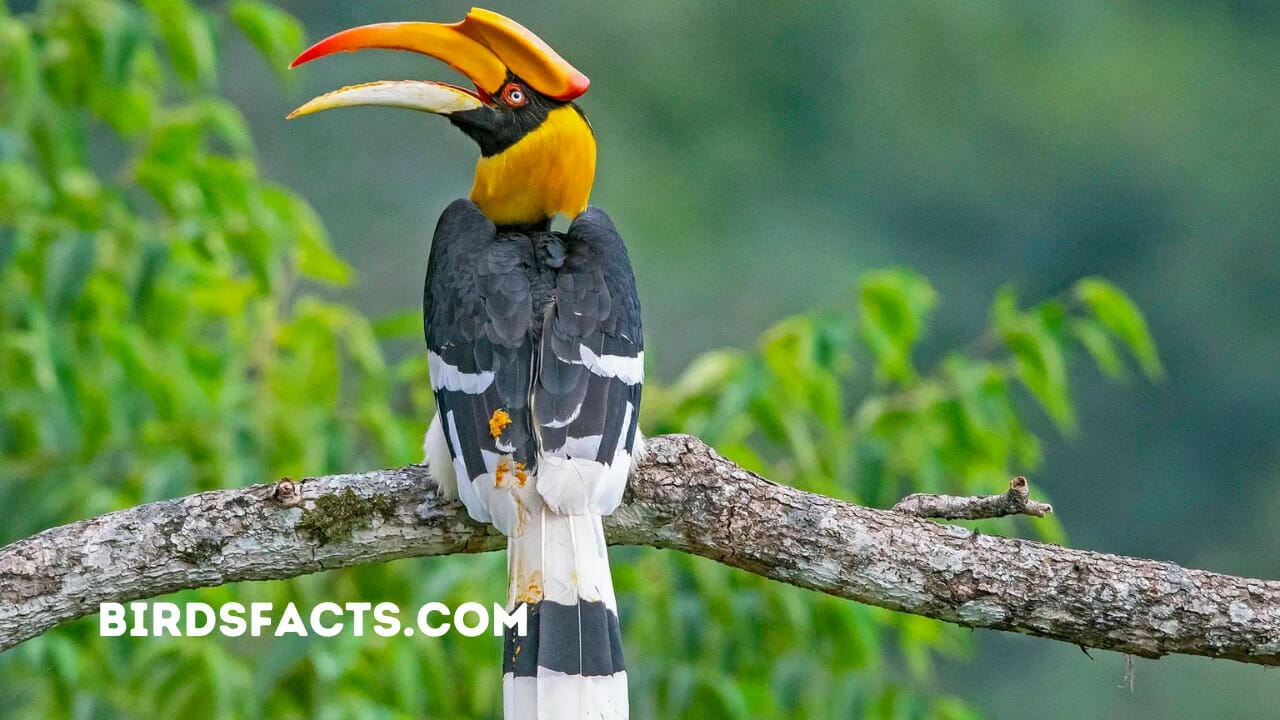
477	312
590	371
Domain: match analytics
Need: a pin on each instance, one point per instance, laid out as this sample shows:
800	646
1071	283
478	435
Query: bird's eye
513	95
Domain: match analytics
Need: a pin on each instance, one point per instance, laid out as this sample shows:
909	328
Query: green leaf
1111	307
306	232
189	38
894	305
225	122
950	708
118	34
8	245
19	79
708	373
128	110
69	263
1043	371
1096	341
362	344
276	33
1004	308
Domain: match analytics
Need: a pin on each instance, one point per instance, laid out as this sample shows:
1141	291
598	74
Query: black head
513	113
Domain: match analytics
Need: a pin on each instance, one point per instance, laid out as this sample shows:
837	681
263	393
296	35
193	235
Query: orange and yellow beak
485	46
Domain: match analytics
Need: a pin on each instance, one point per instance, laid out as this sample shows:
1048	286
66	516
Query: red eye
514	96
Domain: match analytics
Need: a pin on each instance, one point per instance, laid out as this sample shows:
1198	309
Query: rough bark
684	497
1017	501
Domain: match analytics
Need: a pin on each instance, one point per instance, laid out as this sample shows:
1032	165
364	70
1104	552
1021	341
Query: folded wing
590	372
476	310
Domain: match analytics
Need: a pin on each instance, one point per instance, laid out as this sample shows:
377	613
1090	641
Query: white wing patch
447	377
571	481
579	447
629	370
466	491
563	423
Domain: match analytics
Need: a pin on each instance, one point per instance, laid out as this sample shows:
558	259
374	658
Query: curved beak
424	95
485	47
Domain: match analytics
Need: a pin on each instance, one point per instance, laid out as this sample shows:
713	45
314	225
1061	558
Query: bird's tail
569	664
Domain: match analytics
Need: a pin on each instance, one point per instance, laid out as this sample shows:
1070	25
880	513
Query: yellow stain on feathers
520	513
498	421
530	592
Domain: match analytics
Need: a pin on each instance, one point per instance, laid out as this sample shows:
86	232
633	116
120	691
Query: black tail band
552	641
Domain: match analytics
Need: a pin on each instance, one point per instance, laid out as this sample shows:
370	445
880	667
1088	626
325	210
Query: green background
759	158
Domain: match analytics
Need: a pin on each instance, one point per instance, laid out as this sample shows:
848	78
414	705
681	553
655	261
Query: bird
534	341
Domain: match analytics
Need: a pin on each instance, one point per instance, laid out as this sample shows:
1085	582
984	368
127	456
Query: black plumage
516	317
596	308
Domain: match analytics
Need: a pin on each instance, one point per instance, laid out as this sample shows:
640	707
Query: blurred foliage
163	331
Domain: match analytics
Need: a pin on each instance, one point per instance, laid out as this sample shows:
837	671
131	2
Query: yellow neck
547	172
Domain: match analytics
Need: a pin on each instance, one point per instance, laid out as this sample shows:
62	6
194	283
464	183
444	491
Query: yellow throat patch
547	172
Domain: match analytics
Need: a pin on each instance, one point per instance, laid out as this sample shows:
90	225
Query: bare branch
684	497
1017	501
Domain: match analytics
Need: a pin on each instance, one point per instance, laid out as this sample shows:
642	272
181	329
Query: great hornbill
534	345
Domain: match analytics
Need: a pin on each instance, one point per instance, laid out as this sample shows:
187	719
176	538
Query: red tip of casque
578	84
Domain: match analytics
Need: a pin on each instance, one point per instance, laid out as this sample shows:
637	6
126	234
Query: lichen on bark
335	517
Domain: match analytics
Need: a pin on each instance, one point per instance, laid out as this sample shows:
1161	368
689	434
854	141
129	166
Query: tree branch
1017	501
684	497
